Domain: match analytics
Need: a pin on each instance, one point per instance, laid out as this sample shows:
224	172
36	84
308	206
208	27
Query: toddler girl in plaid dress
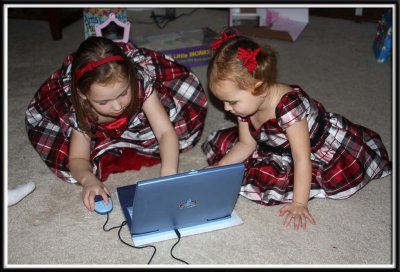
293	149
111	108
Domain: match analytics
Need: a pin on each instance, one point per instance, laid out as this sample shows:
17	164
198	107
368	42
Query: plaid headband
93	64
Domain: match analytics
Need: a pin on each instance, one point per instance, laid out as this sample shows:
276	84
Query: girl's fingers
91	201
304	222
283	210
296	222
299	219
108	192
86	201
288	220
310	219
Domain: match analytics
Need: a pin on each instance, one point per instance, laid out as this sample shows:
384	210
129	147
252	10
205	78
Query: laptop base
144	239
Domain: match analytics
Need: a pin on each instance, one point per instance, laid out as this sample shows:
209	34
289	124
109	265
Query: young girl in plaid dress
293	149
111	108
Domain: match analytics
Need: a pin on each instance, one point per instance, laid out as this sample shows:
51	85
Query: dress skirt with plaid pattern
124	144
345	156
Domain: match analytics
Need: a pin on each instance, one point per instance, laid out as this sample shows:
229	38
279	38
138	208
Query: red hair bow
249	58
117	124
117	127
222	39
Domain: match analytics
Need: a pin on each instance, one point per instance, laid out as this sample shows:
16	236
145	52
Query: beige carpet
332	60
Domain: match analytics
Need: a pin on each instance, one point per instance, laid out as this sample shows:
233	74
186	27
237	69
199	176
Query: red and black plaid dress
123	144
345	156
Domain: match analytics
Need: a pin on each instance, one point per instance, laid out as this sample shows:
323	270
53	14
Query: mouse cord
120	238
179	238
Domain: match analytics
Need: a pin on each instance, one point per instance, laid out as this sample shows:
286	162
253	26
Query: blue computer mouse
100	206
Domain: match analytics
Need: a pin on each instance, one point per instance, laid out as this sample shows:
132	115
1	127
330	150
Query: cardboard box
382	45
275	23
190	47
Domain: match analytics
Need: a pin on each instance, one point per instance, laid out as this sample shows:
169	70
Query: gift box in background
382	45
97	16
189	47
274	23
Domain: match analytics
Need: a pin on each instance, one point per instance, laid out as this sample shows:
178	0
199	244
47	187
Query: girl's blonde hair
94	49
225	65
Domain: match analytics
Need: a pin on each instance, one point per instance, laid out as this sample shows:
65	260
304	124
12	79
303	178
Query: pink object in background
115	28
271	17
111	18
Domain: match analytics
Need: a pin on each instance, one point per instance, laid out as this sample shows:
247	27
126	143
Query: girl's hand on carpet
296	213
90	190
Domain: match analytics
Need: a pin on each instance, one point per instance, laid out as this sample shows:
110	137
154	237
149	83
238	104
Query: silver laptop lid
185	199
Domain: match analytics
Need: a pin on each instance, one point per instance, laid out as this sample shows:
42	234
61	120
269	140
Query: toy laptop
192	202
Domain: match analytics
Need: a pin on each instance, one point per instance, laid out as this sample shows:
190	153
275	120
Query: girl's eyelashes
124	93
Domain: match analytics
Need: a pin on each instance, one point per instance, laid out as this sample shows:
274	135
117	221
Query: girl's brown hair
225	65
93	49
